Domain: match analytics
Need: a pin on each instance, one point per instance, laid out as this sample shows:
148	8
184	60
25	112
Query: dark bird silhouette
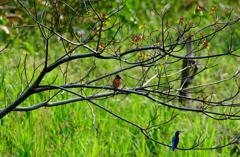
175	140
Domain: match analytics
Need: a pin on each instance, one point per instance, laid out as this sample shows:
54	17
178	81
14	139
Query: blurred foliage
135	14
138	16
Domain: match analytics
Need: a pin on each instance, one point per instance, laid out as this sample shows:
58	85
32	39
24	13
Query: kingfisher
175	140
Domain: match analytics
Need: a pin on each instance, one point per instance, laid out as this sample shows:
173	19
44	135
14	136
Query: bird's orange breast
116	82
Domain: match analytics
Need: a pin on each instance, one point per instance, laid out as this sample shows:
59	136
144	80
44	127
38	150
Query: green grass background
68	130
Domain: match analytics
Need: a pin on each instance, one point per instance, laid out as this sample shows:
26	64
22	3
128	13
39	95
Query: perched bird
116	82
175	140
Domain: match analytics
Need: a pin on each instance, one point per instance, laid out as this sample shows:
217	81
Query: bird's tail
114	92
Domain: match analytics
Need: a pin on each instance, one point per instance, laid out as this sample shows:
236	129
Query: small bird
116	82
175	140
